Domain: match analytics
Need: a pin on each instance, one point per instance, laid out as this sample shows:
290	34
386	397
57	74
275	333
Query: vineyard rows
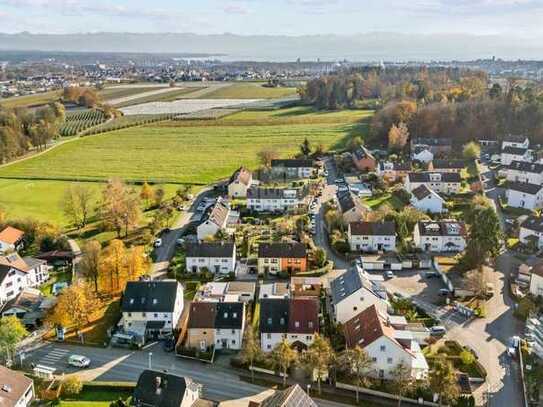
128	121
78	122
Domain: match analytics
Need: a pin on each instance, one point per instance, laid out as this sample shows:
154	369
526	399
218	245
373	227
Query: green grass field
245	90
116	92
31	100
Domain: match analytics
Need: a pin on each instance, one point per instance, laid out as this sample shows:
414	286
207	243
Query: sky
518	18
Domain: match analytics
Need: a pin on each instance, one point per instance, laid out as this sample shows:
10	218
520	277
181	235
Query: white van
79	361
438	330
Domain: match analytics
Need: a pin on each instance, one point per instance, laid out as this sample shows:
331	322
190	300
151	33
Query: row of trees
320	359
22	129
87	97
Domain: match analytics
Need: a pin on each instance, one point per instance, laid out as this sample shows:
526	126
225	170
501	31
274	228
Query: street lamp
150	357
308	389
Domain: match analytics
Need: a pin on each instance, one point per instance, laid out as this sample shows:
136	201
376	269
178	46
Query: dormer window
225	315
155	301
297	324
235	315
269	321
282	321
131	301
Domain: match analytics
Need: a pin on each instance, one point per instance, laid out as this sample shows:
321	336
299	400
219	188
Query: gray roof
149	296
292	163
18	384
533	223
274	315
514	150
449	164
512	138
421	192
294	396
32	262
432	141
210	249
346	201
282	250
441	228
273	193
159	389
362	152
229	315
373	228
523	187
525	166
344	285
425	176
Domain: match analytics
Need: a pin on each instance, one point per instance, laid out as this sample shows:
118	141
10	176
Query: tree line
22	129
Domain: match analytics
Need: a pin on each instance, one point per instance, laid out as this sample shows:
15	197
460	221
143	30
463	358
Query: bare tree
77	204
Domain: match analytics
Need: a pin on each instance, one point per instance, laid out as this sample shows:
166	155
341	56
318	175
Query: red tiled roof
365	328
11	235
303	316
202	315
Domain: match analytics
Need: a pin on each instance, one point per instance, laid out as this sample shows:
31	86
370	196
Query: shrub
71	386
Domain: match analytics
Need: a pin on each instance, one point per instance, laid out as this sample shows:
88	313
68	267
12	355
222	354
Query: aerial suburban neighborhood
193	220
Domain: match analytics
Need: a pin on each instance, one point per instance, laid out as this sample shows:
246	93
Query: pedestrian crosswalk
53	357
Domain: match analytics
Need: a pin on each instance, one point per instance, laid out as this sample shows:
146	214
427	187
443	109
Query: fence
384	395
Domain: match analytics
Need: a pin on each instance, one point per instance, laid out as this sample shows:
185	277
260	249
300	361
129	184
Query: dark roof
303	316
524	187
514	150
533	223
373	228
441	228
159	389
17	383
344	285
292	163
202	315
229	315
33	262
537	269
425	176
514	138
210	249
525	166
404	166
149	296
274	315
362	152
421	192
432	141
276	193
294	396
448	164
282	250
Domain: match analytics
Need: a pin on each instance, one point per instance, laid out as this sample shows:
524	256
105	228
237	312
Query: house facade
151	308
278	257
440	236
392	171
11	239
239	183
524	195
515	141
275	199
17	273
536	280
440	182
292	168
351	208
531	232
17	389
216	221
426	200
523	172
372	236
511	154
216	257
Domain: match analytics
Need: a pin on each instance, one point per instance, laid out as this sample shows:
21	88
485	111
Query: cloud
234	8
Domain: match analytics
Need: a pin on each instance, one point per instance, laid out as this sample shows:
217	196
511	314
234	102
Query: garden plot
184	106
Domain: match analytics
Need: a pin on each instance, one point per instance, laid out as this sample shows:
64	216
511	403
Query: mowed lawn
250	91
199	151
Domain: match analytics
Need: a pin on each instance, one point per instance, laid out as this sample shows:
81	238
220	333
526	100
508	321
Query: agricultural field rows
116	92
124	122
244	90
77	122
159	95
182	106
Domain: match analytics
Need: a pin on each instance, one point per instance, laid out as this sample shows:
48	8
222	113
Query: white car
158	242
79	361
180	242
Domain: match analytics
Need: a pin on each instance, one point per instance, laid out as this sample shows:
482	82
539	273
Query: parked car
444	292
158	242
438	330
79	361
180	241
389	274
431	274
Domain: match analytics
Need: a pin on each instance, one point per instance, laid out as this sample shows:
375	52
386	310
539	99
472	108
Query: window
374	360
310	324
233	331
233	341
268	336
129	314
269	321
268	347
143	314
297	324
308	337
205	332
355	308
225	315
389	361
282	321
235	315
156	315
383	348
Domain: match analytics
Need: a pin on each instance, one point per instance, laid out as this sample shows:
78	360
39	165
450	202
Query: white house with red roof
386	343
11	239
17	273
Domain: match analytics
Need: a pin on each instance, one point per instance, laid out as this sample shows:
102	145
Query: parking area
414	283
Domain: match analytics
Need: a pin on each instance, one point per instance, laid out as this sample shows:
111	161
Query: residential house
536	280
276	290
385	345
447	166
275	199
351	208
201	325
440	236
523	171
306	287
232	291
510	154
531	231
295	319
216	221
161	389
17	390
244	291
422	154
440	182
363	159
372	236
229	325
392	171
293	396
515	141
11	239
290	257
427	200
30	306
352	292
524	195
239	183
424	149
292	168
151	308
216	257
17	273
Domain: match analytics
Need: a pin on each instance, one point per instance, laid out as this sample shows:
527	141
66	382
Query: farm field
250	91
31	100
77	122
194	151
116	92
182	106
162	95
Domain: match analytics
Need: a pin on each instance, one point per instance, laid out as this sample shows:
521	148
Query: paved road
165	252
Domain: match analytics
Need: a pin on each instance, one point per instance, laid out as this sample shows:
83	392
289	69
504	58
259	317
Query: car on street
431	274
438	330
158	242
444	292
389	274
79	361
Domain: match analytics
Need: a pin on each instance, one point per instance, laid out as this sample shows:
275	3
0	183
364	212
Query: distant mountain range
361	47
